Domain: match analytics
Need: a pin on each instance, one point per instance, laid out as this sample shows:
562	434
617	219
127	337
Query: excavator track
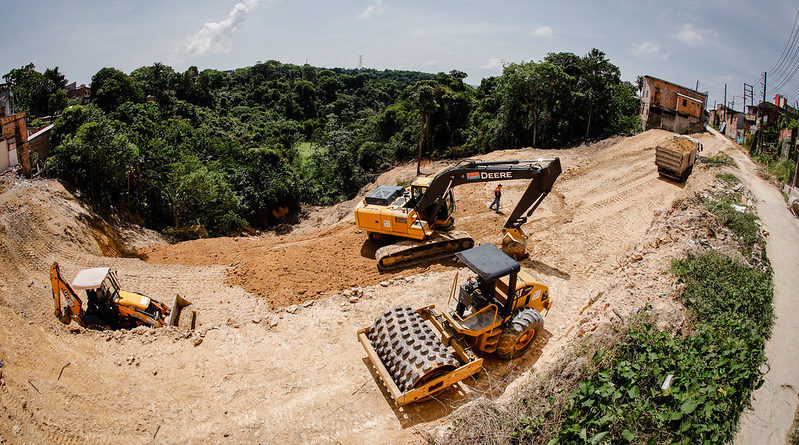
408	253
409	349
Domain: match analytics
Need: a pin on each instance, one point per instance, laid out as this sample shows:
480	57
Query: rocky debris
384	283
308	303
292	309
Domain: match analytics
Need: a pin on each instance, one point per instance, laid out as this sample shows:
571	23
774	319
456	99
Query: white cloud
492	63
215	37
691	36
649	50
430	63
542	31
375	8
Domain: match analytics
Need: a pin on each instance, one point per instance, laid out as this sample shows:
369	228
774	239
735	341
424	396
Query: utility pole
762	117
725	102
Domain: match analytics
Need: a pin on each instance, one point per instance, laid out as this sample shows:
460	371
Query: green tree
597	78
424	97
111	88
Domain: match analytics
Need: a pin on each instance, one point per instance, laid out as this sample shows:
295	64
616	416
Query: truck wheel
520	332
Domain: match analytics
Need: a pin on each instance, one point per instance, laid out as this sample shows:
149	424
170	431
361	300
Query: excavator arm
72	306
543	173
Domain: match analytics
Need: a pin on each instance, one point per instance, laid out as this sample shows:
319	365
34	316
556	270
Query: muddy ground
275	356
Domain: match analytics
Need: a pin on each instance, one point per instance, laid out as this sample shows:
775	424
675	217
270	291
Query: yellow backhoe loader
422	213
106	305
496	311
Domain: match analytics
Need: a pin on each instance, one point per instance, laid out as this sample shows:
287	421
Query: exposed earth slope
275	356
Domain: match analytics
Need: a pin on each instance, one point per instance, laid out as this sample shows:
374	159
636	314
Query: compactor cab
499	308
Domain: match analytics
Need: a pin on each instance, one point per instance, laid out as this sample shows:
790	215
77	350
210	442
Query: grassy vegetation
782	170
713	371
720	159
621	394
744	224
729	178
305	150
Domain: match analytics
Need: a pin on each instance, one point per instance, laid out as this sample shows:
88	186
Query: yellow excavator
106	305
422	213
498	310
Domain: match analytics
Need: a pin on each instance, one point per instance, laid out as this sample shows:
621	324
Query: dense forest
212	152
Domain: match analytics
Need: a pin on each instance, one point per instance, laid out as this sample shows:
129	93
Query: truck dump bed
675	158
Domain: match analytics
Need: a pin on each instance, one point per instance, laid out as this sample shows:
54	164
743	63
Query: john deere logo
473	175
497	175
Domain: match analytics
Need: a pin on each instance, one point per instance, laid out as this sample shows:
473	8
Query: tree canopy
214	151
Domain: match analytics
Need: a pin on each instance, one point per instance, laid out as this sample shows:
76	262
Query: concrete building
14	132
39	146
672	107
6	100
82	92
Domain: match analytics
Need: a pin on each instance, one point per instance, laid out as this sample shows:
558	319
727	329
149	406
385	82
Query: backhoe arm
72	306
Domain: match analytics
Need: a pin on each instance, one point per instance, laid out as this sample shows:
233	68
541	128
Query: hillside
275	356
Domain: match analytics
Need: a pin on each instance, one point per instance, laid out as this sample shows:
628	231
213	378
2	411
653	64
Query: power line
793	31
779	68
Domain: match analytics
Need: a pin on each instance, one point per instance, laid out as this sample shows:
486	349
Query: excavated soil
275	357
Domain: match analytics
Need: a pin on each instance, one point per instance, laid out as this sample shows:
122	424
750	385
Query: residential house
13	131
6	100
672	107
39	145
81	92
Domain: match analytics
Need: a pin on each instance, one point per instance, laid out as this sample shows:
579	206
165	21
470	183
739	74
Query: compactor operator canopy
90	278
488	262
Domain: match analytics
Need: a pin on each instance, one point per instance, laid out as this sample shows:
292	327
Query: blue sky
681	41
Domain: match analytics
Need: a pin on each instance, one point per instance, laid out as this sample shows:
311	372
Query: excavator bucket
514	242
178	303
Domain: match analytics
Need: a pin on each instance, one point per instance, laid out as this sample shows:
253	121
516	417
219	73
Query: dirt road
275	357
774	404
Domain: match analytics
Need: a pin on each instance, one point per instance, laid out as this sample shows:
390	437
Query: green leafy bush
713	371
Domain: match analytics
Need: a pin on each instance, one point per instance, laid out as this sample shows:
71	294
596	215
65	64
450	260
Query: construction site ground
274	357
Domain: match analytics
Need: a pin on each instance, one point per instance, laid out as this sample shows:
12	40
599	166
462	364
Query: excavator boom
423	212
543	171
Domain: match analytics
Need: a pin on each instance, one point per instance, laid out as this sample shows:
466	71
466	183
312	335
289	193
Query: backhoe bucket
178	303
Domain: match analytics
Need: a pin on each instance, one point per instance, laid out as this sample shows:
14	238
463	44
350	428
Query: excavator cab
438	214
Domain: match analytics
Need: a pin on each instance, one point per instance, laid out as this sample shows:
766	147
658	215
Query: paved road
774	404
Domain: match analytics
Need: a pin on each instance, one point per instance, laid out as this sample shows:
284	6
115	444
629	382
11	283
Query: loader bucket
178	303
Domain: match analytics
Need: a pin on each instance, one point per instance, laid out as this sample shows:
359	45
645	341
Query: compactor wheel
522	329
409	348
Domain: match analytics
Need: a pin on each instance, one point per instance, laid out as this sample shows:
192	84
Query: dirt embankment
256	370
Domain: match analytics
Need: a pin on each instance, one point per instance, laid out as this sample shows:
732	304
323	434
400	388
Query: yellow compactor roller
418	352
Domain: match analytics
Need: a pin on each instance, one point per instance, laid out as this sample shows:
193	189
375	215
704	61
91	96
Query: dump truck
420	352
106	306
676	157
418	219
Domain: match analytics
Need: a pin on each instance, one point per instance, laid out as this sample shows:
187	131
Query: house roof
677	84
40	132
